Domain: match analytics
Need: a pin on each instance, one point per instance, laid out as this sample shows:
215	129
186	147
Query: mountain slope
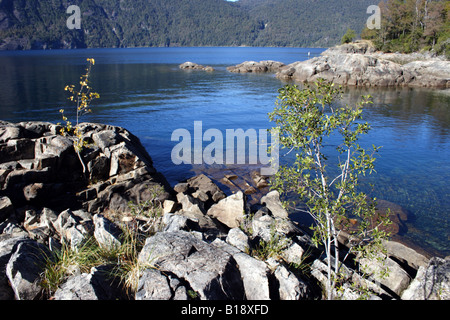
37	24
319	23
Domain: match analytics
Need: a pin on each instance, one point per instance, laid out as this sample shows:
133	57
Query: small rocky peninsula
359	64
200	243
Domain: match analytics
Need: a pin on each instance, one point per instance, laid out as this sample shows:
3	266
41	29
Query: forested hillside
32	24
412	25
36	24
318	23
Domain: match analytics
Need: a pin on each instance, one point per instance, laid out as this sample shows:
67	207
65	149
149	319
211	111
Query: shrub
306	120
82	100
349	36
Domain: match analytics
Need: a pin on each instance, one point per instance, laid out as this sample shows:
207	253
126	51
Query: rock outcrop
39	166
358	64
431	283
187	243
257	67
194	66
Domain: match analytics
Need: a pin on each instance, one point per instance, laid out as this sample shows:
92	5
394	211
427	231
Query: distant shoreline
167	47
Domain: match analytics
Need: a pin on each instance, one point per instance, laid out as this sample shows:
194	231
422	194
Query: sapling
82	100
309	121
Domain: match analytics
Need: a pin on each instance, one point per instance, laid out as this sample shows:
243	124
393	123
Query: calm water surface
144	91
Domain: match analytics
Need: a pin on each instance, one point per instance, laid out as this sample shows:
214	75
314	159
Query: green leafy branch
305	119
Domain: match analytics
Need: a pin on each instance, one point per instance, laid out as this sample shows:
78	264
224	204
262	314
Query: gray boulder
153	285
431	282
266	227
293	253
248	67
256	67
169	206
405	254
263	226
230	211
96	285
237	238
273	203
190	204
203	188
397	279
64	221
70	227
24	269
10	132
106	232
18	149
359	46
194	66
436	70
254	272
77	287
40	224
106	139
289	286
209	271
7	245
174	222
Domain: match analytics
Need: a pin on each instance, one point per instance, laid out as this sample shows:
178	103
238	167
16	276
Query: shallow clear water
144	91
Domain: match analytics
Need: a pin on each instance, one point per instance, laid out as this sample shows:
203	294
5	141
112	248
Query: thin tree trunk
82	162
328	249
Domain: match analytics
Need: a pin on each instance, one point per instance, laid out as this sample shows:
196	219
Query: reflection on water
144	91
413	168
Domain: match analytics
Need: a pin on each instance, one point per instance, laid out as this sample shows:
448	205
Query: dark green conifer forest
41	24
37	24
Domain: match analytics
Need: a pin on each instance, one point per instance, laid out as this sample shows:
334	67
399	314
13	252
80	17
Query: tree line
412	25
36	24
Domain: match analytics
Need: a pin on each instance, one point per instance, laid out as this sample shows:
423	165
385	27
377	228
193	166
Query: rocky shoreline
359	64
202	245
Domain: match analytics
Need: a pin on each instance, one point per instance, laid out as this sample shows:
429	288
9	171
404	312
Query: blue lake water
144	91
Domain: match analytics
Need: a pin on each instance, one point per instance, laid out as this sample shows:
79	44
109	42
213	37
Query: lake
144	91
